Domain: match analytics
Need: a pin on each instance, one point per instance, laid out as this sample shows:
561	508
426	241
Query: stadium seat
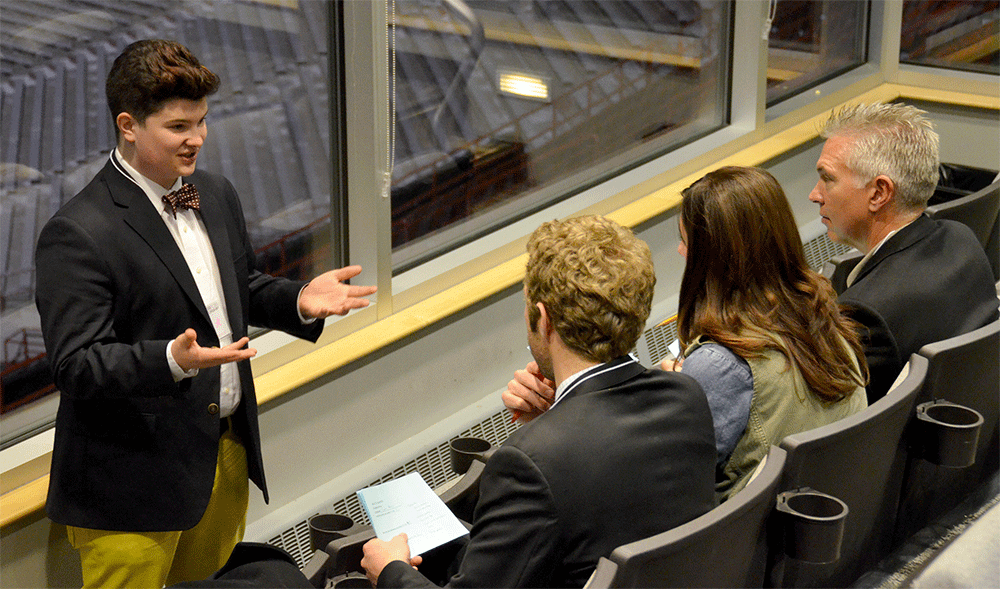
980	211
839	267
965	370
343	555
725	547
859	460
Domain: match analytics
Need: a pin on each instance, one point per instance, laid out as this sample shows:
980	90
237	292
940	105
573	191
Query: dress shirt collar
566	386
153	191
857	269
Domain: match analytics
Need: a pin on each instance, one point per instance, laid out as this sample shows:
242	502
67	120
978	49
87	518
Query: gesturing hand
327	294
190	355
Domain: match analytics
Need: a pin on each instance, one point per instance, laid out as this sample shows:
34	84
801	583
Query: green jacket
781	406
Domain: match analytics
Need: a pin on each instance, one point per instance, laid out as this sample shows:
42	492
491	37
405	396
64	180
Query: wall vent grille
434	466
821	249
657	339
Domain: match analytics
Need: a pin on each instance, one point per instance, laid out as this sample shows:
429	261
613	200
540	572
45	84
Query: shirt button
225	390
213	408
198	270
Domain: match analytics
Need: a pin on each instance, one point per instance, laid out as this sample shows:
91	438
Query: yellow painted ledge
29	498
23	501
368	339
358	344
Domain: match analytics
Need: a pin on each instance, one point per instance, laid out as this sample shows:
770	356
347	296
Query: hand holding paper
672	361
408	505
379	553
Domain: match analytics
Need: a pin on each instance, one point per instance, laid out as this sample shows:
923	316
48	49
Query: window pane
504	107
269	133
961	35
811	41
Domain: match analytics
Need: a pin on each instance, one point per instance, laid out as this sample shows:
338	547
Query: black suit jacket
254	565
624	456
135	450
930	281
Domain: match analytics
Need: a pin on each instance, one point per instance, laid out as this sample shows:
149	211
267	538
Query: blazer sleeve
75	298
273	301
514	539
881	349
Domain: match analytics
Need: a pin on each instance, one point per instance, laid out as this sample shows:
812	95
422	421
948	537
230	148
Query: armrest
603	576
342	555
315	569
461	497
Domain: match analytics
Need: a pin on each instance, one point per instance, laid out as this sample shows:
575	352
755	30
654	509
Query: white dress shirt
584	375
189	232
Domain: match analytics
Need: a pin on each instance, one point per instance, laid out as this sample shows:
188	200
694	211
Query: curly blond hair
596	281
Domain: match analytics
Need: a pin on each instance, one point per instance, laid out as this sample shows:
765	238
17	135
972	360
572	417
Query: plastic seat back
964	370
723	548
859	460
978	211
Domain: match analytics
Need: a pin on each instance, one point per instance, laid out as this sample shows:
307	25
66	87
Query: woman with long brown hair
761	331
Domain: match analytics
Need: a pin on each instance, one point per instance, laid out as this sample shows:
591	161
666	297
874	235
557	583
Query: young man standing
146	288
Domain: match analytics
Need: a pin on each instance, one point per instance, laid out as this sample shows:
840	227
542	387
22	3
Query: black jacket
929	282
621	457
134	450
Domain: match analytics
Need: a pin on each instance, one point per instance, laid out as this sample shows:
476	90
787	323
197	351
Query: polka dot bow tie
185	197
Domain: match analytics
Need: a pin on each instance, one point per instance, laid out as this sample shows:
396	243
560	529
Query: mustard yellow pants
140	560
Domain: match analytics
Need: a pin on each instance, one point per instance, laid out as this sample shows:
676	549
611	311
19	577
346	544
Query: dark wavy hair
151	72
748	287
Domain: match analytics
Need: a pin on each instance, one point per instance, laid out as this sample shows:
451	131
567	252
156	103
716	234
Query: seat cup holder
948	434
464	450
327	527
813	524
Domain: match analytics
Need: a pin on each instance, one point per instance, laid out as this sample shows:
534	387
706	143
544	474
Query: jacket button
213	408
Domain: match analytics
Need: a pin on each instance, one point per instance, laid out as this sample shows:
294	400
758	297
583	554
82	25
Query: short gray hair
894	140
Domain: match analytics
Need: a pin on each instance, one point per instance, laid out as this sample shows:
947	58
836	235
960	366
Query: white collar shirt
584	375
857	269
191	236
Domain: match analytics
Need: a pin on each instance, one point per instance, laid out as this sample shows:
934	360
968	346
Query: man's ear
884	193
126	124
544	326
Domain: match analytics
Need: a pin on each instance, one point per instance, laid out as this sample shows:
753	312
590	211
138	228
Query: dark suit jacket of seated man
929	282
623	456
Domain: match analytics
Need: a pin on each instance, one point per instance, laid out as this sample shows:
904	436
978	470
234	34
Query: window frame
750	120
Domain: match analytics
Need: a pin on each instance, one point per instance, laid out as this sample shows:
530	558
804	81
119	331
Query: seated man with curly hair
623	452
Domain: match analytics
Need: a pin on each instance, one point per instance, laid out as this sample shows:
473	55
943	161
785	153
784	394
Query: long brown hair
747	285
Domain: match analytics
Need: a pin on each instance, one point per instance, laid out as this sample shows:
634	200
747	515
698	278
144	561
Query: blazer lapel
144	219
903	239
214	217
